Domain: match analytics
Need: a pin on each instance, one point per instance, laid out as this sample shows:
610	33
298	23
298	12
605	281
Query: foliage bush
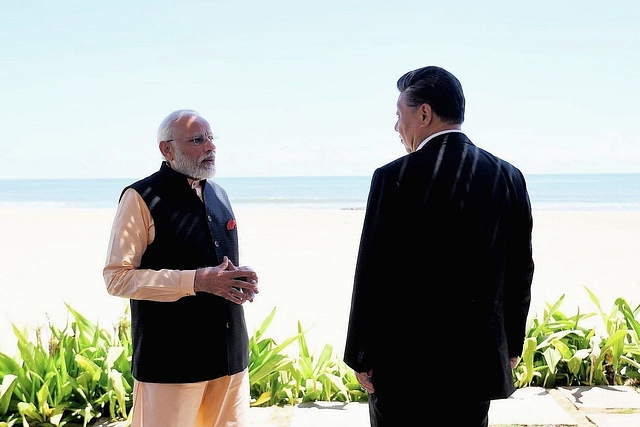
83	372
558	351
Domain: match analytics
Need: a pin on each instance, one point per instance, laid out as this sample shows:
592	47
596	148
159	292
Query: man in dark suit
442	284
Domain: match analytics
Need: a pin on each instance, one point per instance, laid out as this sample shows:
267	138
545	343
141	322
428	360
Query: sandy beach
305	260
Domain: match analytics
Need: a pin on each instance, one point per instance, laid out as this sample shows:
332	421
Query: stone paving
603	406
615	406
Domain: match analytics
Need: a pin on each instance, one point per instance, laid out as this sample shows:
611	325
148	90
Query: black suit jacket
444	270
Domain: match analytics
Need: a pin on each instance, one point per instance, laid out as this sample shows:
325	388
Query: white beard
190	168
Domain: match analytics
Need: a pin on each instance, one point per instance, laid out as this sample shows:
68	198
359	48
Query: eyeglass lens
200	139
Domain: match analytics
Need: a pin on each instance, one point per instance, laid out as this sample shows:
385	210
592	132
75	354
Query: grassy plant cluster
560	351
278	379
83	372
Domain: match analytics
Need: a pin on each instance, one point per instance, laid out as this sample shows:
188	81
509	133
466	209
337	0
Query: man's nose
395	127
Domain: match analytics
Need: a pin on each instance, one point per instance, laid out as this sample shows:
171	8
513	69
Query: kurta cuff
187	280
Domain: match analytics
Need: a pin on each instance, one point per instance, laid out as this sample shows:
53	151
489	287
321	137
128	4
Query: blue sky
309	89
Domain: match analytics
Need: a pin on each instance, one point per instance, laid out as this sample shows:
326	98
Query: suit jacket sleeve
371	267
520	266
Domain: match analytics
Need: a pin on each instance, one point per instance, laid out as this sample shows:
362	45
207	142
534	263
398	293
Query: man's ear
426	114
166	149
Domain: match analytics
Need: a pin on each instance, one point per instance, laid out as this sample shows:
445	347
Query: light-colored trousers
223	402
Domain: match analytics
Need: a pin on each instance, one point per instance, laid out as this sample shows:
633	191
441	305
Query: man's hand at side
236	284
513	361
365	380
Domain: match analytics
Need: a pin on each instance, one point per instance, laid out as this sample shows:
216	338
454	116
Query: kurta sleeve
133	229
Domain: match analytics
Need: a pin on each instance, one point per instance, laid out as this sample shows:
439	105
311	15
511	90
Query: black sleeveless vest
200	337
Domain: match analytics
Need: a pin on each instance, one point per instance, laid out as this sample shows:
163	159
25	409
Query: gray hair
165	130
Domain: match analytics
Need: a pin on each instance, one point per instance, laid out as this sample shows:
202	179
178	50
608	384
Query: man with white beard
173	253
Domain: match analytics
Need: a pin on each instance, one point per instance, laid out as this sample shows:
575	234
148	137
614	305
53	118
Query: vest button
228	325
209	218
217	244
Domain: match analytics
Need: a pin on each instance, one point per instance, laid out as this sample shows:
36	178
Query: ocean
547	192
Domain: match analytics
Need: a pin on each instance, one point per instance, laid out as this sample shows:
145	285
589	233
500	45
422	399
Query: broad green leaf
6	391
552	357
29	411
324	359
564	349
263	398
574	364
548	317
117	384
528	351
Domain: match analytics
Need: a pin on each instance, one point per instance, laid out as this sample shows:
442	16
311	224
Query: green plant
325	378
278	379
266	363
84	371
559	351
80	375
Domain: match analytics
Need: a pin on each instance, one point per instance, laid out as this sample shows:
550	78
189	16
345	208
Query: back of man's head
437	87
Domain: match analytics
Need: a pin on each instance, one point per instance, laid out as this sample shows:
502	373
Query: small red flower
231	224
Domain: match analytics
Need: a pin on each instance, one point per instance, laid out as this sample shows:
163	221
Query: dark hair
437	87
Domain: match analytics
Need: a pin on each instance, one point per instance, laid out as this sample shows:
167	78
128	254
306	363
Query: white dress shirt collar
430	137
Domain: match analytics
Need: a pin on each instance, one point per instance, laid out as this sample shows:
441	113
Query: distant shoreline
575	192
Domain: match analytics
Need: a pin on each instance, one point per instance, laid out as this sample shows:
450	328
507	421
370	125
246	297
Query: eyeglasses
196	140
